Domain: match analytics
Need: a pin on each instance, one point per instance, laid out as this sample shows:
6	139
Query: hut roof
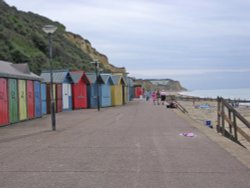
107	78
103	78
118	79
130	82
77	75
59	76
91	77
20	71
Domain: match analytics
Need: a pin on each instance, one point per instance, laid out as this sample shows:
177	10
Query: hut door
58	97
3	102
13	100
66	96
43	96
38	110
22	99
30	99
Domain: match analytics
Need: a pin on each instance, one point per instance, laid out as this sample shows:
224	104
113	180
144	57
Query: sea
243	93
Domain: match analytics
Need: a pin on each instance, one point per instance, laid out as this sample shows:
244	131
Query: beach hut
104	85
4	115
30	99
105	90
48	98
59	98
79	89
92	90
44	98
22	100
26	86
57	95
126	90
38	101
118	90
17	78
138	91
60	77
130	84
13	100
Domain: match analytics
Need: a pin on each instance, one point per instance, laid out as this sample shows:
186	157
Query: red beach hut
4	116
138	91
79	89
16	89
59	98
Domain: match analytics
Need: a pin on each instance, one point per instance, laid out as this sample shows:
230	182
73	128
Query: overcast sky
205	44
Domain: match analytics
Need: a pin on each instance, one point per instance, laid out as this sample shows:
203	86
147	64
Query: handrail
181	108
191	98
233	130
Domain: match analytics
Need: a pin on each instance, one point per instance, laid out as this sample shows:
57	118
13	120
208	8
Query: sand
200	115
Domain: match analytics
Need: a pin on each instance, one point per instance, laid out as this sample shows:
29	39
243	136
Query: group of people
159	97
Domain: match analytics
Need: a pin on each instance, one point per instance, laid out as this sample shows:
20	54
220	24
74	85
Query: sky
204	44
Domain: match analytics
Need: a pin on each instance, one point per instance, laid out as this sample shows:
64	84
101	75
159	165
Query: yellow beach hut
118	90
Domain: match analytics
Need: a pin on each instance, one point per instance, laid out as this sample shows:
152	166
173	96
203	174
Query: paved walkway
132	146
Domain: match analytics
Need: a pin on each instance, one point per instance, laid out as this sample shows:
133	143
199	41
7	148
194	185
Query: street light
50	29
96	63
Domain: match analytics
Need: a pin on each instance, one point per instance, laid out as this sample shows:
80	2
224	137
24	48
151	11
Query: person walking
163	96
147	95
158	96
154	97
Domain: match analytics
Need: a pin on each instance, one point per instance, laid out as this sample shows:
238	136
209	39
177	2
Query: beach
203	111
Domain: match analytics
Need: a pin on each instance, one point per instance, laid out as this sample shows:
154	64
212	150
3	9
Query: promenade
133	146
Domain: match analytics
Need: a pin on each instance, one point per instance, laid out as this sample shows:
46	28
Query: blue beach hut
44	98
130	83
105	90
37	96
104	84
61	77
92	90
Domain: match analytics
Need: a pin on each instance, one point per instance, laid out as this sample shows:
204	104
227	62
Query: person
154	97
163	97
158	96
147	94
172	104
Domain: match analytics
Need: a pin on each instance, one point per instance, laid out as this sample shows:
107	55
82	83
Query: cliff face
86	47
166	84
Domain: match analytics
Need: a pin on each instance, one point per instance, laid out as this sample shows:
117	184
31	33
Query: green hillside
23	40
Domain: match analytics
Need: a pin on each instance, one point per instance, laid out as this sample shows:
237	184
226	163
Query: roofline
25	77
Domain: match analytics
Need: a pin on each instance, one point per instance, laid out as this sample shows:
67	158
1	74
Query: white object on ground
188	134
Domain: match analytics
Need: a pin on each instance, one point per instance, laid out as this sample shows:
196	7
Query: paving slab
136	146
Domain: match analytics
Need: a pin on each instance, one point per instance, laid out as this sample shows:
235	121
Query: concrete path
132	146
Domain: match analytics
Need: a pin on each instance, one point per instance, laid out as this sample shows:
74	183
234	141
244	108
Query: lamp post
50	29
96	63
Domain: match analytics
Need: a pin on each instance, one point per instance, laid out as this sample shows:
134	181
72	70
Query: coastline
240	93
232	148
202	111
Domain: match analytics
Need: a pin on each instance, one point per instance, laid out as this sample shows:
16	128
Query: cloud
163	73
159	38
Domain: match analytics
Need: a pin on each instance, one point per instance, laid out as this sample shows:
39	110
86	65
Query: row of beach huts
25	95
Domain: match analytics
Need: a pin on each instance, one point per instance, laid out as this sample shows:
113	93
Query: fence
227	118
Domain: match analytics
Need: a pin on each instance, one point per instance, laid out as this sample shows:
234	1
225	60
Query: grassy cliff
23	40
